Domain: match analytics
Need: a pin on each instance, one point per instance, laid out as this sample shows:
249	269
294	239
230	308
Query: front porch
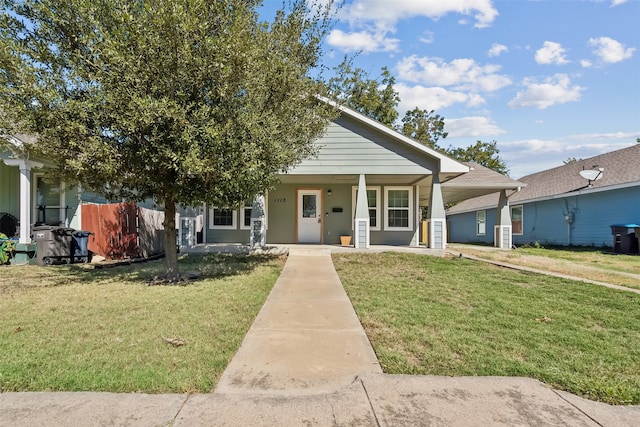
285	248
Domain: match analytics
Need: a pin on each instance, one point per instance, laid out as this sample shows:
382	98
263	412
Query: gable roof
447	164
621	168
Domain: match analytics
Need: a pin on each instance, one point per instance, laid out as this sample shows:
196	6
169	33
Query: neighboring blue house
559	206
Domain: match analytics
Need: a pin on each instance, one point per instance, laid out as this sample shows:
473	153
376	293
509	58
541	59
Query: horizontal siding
9	189
462	228
350	147
544	222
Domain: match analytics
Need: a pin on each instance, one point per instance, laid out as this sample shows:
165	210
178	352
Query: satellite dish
591	174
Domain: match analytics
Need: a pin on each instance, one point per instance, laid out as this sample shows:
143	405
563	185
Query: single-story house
367	181
406	184
573	204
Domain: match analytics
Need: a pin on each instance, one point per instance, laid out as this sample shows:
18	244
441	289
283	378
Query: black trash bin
53	244
624	238
80	246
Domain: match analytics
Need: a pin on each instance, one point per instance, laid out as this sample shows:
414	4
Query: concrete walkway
307	362
307	337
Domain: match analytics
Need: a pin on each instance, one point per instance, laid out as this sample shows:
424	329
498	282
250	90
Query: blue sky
548	80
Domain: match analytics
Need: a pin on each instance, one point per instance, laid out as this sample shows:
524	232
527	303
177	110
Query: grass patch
588	263
428	315
73	328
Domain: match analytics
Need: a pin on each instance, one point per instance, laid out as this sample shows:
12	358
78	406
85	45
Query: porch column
258	231
25	195
436	217
361	226
502	234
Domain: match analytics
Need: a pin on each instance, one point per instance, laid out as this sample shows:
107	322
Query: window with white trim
398	208
245	214
222	218
49	199
373	200
517	219
481	223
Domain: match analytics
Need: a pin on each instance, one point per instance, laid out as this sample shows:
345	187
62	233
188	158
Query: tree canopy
482	153
373	97
182	101
424	126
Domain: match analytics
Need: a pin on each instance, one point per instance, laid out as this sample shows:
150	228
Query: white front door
309	216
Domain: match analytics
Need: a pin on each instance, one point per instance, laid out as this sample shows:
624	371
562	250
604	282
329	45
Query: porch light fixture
329	192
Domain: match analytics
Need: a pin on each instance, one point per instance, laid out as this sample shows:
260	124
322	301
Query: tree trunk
171	255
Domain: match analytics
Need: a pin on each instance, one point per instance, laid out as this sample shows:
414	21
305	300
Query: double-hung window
245	215
398	208
373	201
222	218
481	223
516	219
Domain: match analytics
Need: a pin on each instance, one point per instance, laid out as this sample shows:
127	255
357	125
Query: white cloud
551	53
610	50
362	41
630	136
586	63
427	38
615	3
432	98
528	156
384	14
461	74
497	49
553	90
474	126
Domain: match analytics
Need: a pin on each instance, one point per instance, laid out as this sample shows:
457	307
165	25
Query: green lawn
74	328
427	315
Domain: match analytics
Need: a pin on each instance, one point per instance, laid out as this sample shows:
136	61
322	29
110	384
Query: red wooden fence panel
114	228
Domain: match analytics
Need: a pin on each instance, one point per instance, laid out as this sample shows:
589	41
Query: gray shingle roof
620	167
478	181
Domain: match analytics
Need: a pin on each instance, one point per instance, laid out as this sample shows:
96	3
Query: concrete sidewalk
306	361
371	400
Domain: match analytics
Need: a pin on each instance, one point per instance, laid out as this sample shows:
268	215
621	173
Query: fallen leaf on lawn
176	342
544	319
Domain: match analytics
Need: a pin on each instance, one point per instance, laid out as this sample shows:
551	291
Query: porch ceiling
351	179
372	179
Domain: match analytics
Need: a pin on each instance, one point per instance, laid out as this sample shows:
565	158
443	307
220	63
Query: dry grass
593	264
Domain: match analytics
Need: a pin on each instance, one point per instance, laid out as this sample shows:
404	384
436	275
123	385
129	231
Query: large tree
182	101
374	97
424	126
483	153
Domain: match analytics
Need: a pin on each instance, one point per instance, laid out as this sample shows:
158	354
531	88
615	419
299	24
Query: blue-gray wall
544	221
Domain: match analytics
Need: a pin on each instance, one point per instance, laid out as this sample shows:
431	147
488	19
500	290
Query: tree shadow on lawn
196	266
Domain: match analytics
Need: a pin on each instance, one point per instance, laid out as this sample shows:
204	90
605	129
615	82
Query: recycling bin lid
44	227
